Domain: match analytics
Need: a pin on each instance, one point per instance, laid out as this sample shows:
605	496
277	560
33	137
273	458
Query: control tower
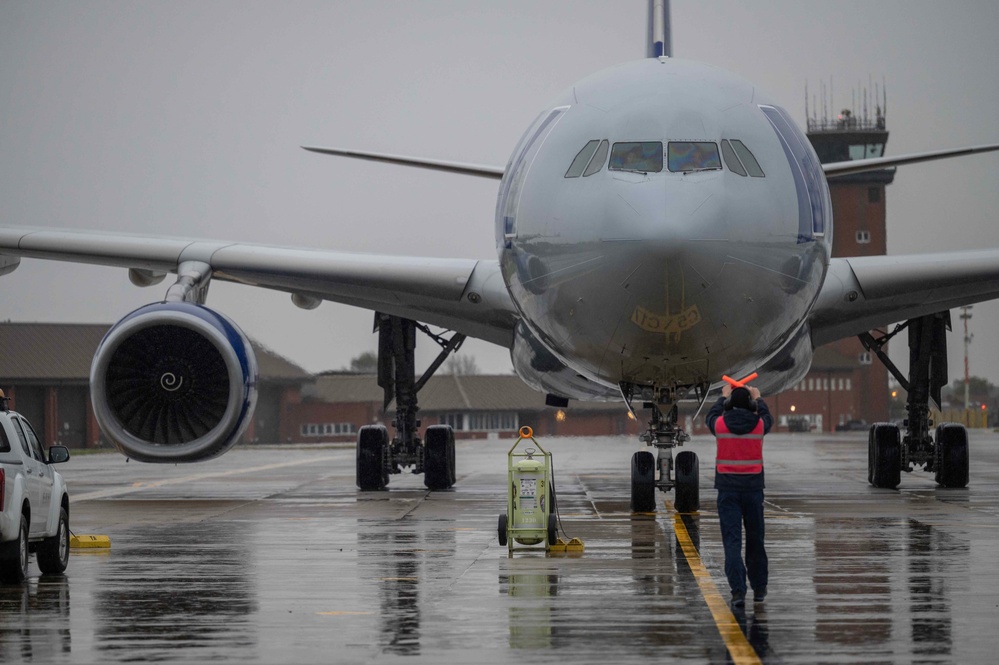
858	200
845	385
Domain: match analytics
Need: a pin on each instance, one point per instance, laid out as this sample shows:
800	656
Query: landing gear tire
643	482
372	450
688	489
438	457
885	460
552	529
14	562
951	455
53	553
502	529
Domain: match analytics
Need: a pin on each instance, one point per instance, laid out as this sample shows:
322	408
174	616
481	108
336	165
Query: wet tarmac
271	555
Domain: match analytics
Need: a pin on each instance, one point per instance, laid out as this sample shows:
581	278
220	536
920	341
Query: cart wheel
502	529
552	529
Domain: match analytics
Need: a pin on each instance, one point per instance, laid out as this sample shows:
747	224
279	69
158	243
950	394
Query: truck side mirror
58	454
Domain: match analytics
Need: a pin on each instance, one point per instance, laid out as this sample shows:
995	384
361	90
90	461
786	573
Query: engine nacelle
789	366
541	369
174	382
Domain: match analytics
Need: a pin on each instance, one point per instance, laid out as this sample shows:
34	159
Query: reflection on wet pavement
290	563
182	588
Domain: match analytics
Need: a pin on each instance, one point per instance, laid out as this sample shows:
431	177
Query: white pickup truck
34	503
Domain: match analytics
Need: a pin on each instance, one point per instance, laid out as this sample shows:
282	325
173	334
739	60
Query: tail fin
660	41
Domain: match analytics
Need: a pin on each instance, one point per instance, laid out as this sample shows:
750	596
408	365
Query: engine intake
174	382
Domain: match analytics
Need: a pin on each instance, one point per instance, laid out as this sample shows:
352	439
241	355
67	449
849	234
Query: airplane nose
669	213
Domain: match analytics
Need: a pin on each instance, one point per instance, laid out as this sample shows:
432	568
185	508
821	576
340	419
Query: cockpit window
748	159
731	161
582	159
686	156
645	157
598	160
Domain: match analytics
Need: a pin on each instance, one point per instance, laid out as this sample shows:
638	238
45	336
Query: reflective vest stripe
739	453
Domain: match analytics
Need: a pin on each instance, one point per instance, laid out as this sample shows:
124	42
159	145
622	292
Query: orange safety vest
739	453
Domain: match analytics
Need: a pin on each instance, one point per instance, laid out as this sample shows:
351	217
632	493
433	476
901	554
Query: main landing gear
377	456
665	434
889	451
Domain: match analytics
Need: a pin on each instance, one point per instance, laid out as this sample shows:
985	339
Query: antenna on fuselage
660	39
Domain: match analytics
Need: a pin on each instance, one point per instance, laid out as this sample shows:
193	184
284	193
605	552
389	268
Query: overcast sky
184	118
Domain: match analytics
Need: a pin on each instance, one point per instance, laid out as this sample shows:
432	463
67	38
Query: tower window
863	237
865	358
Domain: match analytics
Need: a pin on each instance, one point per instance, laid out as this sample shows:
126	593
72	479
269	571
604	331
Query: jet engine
174	382
541	369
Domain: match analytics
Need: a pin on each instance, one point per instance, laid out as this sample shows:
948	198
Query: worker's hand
754	392
727	390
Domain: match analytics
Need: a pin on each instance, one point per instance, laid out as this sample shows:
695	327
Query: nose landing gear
665	434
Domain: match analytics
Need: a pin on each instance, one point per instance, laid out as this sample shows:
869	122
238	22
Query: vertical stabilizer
660	41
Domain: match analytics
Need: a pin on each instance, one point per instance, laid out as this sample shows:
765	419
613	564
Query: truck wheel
53	553
14	565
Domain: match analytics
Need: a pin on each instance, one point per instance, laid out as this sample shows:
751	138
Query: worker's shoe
759	595
738	599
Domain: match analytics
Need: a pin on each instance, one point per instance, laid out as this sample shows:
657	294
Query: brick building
476	406
858	203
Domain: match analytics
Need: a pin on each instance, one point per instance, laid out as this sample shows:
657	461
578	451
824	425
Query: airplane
660	225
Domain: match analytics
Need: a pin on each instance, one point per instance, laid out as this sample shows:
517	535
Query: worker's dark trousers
736	509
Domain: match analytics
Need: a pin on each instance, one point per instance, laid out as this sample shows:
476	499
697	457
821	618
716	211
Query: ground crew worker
739	420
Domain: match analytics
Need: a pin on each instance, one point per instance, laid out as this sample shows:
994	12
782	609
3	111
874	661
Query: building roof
64	351
345	389
275	367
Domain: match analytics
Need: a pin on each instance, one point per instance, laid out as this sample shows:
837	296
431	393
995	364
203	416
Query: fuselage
663	223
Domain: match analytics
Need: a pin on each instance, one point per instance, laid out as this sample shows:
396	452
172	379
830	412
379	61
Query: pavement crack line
735	641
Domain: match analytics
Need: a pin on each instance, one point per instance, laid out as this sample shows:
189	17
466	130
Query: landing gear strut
888	452
377	456
665	434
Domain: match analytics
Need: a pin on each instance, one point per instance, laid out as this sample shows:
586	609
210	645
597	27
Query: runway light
560	415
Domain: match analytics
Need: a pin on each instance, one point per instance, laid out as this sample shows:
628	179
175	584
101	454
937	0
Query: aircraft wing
868	292
837	169
831	170
480	170
463	295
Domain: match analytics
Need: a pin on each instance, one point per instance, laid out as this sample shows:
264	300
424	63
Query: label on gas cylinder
528	493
